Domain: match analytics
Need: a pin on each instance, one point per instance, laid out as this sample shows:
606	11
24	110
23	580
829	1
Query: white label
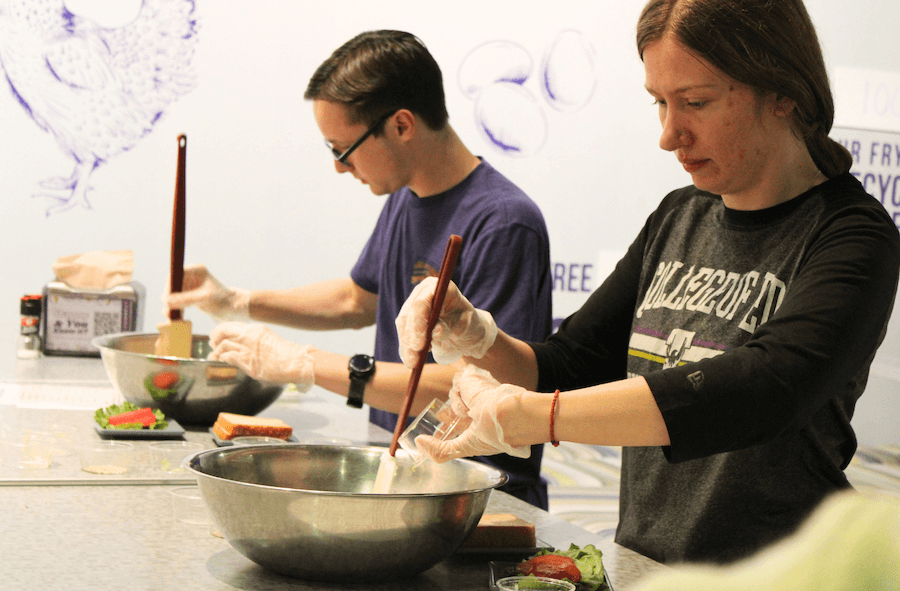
73	321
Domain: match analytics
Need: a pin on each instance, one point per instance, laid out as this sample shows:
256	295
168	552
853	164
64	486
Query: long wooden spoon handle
176	272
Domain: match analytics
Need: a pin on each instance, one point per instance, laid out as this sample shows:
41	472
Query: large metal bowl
199	390
309	511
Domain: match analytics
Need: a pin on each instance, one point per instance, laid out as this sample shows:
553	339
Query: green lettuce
102	417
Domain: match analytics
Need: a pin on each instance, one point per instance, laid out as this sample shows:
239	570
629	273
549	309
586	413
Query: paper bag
95	270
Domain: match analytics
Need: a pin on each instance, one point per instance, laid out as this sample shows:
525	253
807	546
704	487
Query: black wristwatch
361	369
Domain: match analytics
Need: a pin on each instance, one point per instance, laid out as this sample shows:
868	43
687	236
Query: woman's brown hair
769	45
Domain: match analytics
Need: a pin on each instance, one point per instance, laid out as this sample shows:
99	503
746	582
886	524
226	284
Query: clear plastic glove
461	329
262	354
477	396
206	292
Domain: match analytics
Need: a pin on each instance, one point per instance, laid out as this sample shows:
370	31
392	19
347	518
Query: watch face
362	363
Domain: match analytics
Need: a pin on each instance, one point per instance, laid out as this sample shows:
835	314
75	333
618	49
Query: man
379	103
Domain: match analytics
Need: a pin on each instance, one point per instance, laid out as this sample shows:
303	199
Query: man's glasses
342	156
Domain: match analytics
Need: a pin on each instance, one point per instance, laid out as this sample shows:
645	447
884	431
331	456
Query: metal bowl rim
103	343
503	477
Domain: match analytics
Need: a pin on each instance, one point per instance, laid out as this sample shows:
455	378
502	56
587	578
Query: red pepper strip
143	416
553	566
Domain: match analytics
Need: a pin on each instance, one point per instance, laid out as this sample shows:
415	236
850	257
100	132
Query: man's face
376	162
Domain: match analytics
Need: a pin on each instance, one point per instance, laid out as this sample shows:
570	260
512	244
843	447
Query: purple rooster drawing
96	90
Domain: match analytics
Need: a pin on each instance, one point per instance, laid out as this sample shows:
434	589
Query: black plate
505	553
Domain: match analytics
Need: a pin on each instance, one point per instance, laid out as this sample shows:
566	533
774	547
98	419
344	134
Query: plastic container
255	440
188	506
32	453
109	458
166	456
532	583
64	435
316	439
436	420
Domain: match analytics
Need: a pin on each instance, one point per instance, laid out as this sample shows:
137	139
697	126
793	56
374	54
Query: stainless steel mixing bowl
191	391
309	511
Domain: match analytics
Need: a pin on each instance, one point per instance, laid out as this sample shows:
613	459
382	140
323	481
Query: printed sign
876	163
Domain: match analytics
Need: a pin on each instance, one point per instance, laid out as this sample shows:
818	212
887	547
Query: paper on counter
58	396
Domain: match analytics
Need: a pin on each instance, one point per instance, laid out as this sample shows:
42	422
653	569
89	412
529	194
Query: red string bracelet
553	418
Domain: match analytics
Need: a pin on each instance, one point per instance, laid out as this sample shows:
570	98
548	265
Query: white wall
265	208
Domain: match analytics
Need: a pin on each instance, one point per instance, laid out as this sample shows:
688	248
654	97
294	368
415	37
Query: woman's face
722	134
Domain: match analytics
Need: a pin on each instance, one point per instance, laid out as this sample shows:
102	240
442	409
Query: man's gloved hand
461	330
206	292
477	396
262	354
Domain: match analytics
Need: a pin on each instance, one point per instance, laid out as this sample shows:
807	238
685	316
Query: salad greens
102	417
589	562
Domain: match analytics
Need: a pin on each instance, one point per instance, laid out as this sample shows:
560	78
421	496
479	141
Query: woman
728	348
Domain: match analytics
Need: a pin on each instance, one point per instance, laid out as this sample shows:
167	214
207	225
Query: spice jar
29	345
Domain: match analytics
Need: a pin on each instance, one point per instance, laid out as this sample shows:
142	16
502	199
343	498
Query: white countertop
65	529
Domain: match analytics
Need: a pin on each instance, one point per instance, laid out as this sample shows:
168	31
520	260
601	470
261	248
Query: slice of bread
229	425
501	530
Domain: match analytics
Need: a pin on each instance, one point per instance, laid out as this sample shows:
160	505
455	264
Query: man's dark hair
380	72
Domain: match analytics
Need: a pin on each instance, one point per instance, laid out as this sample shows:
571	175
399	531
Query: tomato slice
552	566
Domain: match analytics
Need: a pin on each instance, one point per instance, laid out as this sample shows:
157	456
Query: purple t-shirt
503	267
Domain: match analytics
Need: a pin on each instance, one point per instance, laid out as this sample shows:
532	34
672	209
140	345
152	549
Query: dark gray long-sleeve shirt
755	331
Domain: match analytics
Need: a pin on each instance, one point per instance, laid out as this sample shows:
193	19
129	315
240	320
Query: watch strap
361	368
357	389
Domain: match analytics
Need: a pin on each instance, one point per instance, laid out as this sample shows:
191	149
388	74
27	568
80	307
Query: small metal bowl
309	511
191	391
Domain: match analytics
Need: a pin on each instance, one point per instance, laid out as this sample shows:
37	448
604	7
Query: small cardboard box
73	317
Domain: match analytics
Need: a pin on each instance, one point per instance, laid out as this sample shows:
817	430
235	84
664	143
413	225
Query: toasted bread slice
221	431
229	425
501	530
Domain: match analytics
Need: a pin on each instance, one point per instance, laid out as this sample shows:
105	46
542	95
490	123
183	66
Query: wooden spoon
175	336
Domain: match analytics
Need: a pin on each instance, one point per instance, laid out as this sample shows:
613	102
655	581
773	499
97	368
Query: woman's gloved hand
206	292
477	396
262	354
461	330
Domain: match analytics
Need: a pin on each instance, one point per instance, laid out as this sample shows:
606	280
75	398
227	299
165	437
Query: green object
102	417
589	562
